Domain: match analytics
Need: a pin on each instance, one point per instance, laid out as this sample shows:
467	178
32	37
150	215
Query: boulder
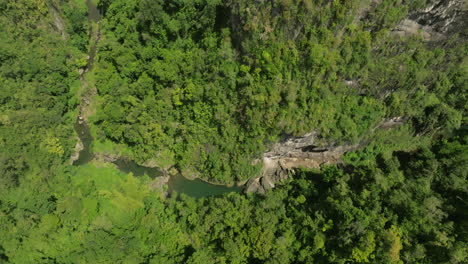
253	185
267	183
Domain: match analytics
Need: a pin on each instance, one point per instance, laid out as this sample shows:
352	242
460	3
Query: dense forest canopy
204	88
207	85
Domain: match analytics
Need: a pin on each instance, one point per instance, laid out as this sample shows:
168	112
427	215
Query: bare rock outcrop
159	183
106	157
439	20
76	151
307	151
296	152
409	27
58	22
444	16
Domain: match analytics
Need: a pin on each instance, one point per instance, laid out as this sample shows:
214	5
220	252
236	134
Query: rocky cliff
296	152
306	151
440	19
444	16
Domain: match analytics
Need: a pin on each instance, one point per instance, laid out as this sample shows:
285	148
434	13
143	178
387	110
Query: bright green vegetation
204	86
401	206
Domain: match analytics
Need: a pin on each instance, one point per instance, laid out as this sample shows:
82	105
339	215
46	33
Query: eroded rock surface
307	151
409	27
159	183
439	20
296	152
444	16
76	151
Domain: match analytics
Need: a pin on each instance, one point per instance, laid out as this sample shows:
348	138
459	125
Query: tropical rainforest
202	89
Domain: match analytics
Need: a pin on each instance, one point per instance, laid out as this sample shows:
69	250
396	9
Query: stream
177	184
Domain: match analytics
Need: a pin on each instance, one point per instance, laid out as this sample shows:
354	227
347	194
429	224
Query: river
177	184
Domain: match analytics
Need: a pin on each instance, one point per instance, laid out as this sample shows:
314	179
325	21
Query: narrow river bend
195	188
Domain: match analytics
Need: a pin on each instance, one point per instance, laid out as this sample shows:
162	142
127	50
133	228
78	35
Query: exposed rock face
159	184
444	16
409	27
58	22
76	152
440	19
296	152
304	152
105	157
392	122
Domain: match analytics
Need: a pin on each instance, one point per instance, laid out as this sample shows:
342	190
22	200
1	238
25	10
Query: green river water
177	184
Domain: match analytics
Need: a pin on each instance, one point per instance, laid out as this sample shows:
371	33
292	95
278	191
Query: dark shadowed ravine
195	188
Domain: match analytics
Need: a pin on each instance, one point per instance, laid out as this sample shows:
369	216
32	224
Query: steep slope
207	87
